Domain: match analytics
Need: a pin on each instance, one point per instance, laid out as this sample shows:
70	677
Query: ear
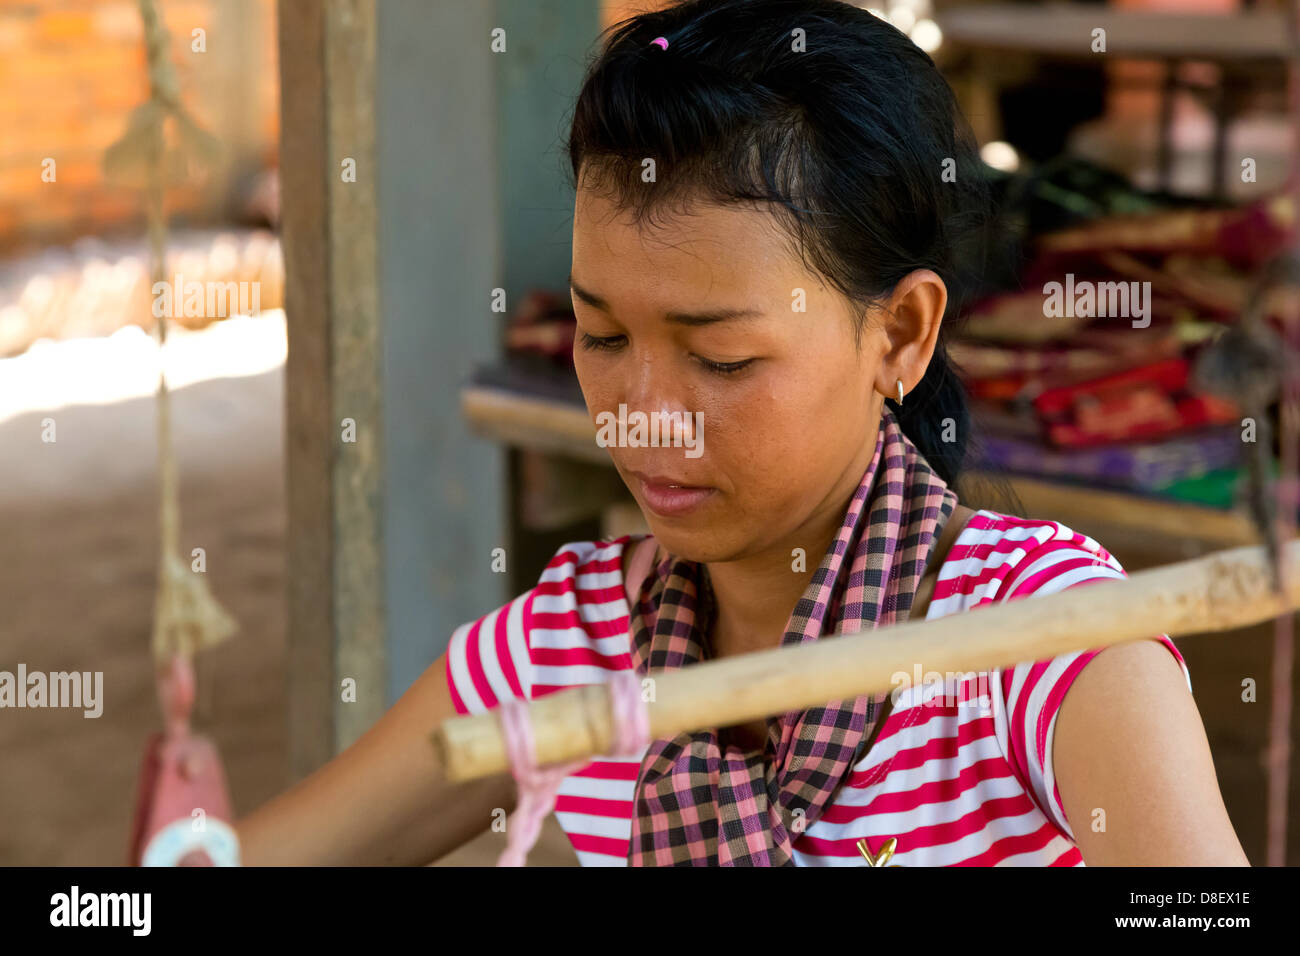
912	320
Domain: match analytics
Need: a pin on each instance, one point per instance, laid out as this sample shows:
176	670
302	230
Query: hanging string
538	786
186	616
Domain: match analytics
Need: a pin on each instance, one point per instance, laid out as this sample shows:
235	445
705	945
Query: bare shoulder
1130	750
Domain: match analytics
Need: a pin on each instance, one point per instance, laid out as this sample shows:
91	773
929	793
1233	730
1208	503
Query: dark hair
848	139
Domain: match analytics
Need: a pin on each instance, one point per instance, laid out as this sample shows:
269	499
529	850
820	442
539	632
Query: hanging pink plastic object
182	813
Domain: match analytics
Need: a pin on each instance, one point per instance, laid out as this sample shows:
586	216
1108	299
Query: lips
671	497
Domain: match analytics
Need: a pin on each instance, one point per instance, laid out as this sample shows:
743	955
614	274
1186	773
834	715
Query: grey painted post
471	198
439	260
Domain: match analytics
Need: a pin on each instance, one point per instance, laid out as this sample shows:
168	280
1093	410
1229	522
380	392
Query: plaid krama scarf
695	805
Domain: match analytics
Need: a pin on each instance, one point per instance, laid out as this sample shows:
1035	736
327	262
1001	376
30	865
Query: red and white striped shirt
960	773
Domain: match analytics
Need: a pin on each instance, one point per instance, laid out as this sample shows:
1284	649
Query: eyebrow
679	318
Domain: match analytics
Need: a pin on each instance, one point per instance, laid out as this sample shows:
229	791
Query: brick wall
71	72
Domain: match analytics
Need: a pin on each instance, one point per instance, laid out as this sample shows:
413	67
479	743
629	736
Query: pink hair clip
660	42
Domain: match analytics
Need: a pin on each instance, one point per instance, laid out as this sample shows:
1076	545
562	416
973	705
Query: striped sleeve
570	629
1033	692
489	659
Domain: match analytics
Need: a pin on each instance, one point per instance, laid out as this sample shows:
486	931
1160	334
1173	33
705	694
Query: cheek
763	435
597	388
780	440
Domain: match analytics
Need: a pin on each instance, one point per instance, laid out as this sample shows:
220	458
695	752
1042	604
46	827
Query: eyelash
596	344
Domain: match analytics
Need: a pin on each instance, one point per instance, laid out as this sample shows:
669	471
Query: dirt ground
78	553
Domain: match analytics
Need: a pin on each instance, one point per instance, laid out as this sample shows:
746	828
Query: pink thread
660	42
538	785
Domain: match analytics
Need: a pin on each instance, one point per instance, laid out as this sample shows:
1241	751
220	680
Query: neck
755	595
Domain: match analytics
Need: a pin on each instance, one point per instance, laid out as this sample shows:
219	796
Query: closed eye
595	343
725	368
612	343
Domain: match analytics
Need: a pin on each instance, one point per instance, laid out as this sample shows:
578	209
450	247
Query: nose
653	392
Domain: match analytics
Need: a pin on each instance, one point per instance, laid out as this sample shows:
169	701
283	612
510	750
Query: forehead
705	246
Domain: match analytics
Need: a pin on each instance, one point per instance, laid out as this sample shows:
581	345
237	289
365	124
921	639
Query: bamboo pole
1221	591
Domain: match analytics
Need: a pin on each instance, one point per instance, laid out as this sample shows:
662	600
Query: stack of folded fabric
1084	373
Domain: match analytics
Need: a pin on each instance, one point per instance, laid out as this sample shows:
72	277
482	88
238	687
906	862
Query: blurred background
399	183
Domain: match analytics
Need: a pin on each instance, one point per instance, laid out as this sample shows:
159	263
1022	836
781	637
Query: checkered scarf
695	805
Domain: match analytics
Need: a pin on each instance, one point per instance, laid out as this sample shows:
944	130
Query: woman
773	201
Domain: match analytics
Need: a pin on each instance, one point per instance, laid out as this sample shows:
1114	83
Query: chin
699	542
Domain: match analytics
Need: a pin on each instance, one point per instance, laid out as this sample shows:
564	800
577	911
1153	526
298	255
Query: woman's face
778	404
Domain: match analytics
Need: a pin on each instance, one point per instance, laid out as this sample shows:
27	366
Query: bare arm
1129	741
380	802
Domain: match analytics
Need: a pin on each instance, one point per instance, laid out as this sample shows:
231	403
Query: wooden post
333	378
